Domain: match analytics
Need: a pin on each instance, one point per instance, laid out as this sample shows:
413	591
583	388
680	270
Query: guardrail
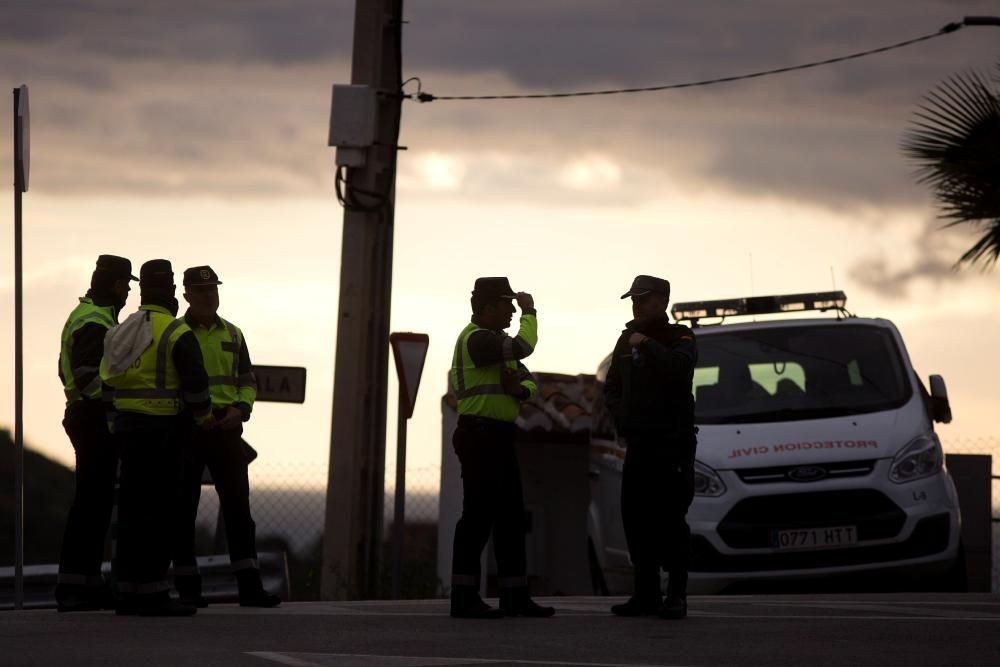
218	581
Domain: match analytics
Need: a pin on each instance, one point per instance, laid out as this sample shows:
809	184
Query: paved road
895	629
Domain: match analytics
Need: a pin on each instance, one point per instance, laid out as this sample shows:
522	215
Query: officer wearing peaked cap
490	382
233	389
648	392
79	586
152	368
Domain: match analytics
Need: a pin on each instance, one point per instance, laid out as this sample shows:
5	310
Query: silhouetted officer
152	367
490	382
79	586
648	391
234	389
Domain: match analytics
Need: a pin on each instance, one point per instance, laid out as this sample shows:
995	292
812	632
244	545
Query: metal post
18	388
399	511
352	540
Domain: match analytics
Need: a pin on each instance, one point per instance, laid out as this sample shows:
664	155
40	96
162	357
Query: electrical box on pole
353	122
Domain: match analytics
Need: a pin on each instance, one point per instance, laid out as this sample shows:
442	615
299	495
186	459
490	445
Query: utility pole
355	485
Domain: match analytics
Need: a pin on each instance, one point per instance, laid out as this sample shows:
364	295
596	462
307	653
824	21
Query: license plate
814	538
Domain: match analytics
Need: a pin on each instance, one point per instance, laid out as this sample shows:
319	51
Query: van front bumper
899	527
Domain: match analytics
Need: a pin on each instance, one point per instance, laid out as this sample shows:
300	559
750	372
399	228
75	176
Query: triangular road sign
409	350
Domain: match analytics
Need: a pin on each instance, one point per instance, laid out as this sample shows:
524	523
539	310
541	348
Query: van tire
597	583
956	579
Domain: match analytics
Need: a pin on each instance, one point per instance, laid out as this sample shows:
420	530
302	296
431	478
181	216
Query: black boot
72	597
517	602
158	604
189	590
252	593
674	607
638	605
466	603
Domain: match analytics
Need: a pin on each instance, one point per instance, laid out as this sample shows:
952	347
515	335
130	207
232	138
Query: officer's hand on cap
232	419
525	301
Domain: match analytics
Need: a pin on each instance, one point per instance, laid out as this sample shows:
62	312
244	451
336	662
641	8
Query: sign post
22	151
409	350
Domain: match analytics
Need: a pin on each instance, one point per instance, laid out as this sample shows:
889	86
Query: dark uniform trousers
491	502
657	489
90	514
148	483
223	453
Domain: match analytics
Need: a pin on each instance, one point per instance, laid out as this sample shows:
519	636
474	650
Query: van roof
782	322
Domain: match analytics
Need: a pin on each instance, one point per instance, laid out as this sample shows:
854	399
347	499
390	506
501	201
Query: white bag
124	343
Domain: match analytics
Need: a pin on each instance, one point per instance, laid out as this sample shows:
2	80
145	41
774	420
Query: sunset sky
196	131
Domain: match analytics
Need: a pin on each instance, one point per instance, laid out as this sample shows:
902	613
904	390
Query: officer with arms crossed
233	388
489	383
79	586
152	367
648	391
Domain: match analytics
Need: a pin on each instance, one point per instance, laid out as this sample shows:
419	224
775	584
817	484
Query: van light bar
760	305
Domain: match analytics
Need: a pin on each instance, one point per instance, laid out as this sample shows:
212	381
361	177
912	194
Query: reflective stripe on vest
220	349
478	389
151	385
85	313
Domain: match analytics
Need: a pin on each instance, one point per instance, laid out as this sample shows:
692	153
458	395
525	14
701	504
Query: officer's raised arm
489	346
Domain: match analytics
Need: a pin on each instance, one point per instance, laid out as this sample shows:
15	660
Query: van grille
749	524
837	470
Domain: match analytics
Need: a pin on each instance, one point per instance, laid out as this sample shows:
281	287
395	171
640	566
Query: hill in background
48	494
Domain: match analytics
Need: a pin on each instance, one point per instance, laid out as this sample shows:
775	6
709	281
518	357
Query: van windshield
793	373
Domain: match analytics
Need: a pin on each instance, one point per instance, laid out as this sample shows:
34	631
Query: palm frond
954	139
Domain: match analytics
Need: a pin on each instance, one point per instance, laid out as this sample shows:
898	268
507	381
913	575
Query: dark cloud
934	254
232	94
234	31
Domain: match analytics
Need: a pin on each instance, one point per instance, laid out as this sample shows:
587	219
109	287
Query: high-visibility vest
478	388
85	313
220	347
151	386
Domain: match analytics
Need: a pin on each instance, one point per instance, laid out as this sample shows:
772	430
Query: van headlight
707	482
921	458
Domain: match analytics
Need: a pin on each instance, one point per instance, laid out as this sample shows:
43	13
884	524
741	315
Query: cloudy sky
196	131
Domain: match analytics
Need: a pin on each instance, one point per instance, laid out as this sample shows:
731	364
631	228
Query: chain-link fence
984	445
288	502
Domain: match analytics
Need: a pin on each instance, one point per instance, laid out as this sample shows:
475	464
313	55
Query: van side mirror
940	407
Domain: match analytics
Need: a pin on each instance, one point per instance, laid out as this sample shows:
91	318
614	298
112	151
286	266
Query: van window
798	372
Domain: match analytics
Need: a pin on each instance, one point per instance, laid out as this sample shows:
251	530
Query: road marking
362	659
900	608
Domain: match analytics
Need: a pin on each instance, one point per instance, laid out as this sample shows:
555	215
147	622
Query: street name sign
280	384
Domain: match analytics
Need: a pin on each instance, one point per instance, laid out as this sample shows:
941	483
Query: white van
816	453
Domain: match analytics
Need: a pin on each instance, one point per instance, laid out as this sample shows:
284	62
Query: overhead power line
946	30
